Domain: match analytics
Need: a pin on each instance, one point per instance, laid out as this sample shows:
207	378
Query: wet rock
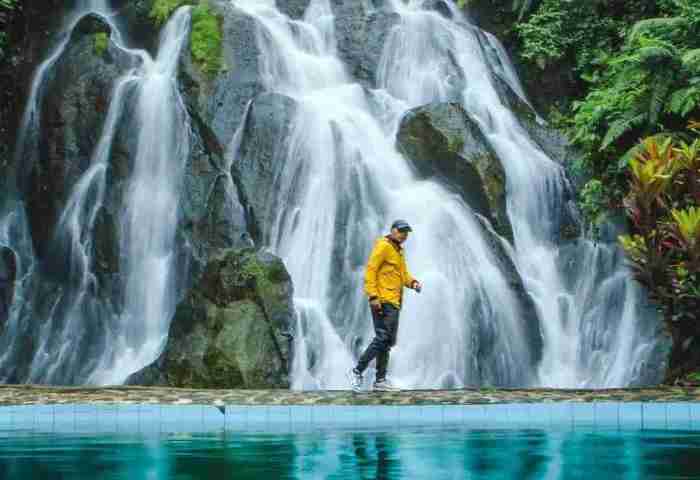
231	329
221	100
8	274
74	108
442	141
293	8
262	157
361	30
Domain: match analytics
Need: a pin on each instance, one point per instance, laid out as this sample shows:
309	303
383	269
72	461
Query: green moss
455	144
162	9
101	42
206	39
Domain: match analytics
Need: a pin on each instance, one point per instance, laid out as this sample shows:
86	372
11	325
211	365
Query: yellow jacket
387	273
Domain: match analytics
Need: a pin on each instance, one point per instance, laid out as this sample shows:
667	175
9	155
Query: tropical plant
664	248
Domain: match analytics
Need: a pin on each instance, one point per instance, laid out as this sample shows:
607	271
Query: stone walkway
33	394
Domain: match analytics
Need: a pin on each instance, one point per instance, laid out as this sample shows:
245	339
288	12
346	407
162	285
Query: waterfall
340	155
594	333
587	324
147	230
338	185
81	338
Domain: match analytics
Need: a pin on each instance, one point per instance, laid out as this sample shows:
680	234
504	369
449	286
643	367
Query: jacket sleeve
408	278
376	259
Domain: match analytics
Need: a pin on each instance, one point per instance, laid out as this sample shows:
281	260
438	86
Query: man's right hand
375	304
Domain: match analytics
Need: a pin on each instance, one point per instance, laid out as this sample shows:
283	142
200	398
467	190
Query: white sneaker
385	386
355	379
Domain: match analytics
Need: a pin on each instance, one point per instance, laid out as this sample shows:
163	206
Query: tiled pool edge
158	419
15	395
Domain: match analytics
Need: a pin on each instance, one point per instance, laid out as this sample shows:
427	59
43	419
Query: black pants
386	325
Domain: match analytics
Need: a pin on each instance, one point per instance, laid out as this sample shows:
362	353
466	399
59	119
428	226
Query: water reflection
380	455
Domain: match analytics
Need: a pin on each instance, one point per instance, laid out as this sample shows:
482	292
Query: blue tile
257	415
432	414
475	416
344	415
539	414
607	414
584	415
213	417
409	415
679	415
631	414
388	415
655	415
695	415
280	415
453	415
498	415
561	414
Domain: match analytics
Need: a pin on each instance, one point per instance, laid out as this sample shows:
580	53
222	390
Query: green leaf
620	127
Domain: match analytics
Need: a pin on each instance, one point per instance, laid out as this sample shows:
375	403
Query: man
385	277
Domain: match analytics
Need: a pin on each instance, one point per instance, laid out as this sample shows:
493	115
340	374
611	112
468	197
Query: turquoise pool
509	441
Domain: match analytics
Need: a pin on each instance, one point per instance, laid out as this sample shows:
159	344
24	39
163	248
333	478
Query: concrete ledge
37	394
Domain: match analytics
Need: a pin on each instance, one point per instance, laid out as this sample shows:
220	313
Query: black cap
401	225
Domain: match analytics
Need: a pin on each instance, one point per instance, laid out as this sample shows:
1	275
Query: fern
684	101
660	88
620	127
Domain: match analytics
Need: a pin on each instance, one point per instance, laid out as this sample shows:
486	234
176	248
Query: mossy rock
231	329
443	142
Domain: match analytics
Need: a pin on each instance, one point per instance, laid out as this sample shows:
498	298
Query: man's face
399	235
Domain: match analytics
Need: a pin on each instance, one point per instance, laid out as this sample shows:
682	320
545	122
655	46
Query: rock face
361	28
442	141
8	273
262	155
77	101
231	330
222	99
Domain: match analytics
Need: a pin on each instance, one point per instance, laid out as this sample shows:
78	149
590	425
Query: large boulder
442	141
231	331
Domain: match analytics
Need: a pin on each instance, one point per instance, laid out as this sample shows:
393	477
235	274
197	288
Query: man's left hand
416	285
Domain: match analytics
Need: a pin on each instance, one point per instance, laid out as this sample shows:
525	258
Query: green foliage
663	204
206	39
101	40
593	199
560	29
162	9
639	65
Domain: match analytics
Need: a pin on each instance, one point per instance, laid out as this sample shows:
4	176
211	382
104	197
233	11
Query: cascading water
594	334
340	183
590	334
81	338
339	155
147	233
